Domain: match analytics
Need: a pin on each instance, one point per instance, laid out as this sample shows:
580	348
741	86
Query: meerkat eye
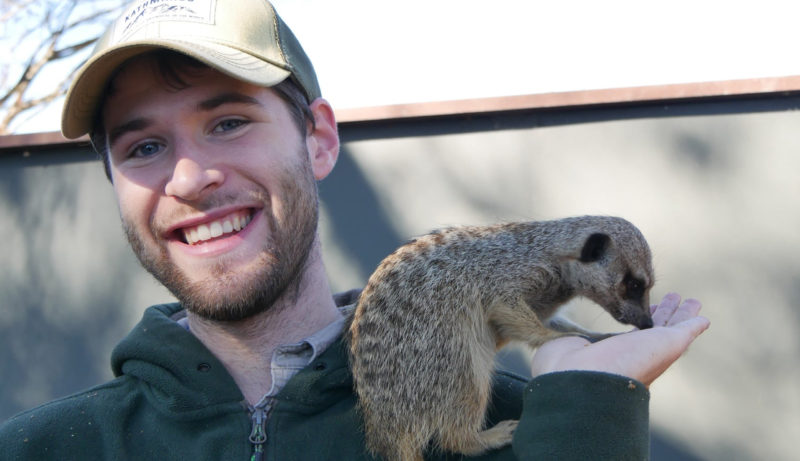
634	287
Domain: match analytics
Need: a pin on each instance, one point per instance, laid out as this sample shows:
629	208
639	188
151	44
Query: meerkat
426	327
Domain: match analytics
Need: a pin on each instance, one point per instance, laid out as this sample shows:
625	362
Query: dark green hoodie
172	399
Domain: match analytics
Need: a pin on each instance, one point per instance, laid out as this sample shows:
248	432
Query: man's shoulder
101	397
81	405
79	417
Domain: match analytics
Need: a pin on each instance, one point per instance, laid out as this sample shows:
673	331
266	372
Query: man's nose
191	178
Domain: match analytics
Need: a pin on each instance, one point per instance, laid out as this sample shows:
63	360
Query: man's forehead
146	74
171	69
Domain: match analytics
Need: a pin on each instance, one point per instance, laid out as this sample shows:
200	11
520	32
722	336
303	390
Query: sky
377	52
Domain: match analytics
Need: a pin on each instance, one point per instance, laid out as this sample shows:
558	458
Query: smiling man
209	120
228	234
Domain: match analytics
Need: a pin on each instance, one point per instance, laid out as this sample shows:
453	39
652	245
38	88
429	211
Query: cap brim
84	95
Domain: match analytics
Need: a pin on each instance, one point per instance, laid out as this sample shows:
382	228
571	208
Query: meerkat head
612	266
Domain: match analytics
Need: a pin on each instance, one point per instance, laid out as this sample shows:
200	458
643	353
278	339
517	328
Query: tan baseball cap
245	39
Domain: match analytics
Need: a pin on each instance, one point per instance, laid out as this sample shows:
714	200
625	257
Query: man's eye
229	124
146	149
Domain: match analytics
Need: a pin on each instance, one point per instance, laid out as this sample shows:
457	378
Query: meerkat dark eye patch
634	287
594	248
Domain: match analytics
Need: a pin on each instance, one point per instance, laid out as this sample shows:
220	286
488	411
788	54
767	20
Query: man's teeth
214	229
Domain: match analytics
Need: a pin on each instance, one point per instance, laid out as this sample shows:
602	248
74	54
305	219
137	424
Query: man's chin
226	309
228	302
223	314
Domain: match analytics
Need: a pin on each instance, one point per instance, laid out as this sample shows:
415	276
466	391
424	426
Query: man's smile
202	230
231	223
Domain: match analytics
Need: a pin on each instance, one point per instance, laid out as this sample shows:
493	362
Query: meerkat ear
594	248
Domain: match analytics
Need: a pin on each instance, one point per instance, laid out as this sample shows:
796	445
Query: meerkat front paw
594	337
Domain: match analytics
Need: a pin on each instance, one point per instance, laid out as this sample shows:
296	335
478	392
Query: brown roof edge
34	140
501	104
572	98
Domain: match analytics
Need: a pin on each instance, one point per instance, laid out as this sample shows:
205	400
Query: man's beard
281	262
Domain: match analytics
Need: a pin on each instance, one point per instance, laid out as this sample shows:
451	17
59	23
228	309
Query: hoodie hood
181	374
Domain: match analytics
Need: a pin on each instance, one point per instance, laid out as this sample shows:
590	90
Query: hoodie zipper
258	434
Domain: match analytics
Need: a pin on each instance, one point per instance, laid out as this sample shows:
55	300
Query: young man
213	132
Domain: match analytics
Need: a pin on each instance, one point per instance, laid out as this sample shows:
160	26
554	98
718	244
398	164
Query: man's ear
323	139
594	247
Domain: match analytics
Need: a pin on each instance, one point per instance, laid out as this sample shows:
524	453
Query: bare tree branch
92	18
72	49
40	27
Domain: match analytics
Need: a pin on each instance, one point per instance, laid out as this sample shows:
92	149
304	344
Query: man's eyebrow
127	127
227	98
205	105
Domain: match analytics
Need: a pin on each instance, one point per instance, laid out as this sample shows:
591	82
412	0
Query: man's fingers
694	326
665	309
687	310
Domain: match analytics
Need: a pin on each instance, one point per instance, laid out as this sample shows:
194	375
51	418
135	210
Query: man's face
215	188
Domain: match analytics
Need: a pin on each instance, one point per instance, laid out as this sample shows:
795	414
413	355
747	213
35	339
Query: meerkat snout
636	310
426	327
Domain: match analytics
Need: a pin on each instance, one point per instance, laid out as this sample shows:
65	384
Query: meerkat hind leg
492	438
498	435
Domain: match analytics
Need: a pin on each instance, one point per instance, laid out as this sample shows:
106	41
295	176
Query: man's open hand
640	354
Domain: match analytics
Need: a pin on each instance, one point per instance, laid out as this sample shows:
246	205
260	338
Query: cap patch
148	11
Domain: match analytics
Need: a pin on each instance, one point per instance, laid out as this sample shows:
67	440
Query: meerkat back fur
426	327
